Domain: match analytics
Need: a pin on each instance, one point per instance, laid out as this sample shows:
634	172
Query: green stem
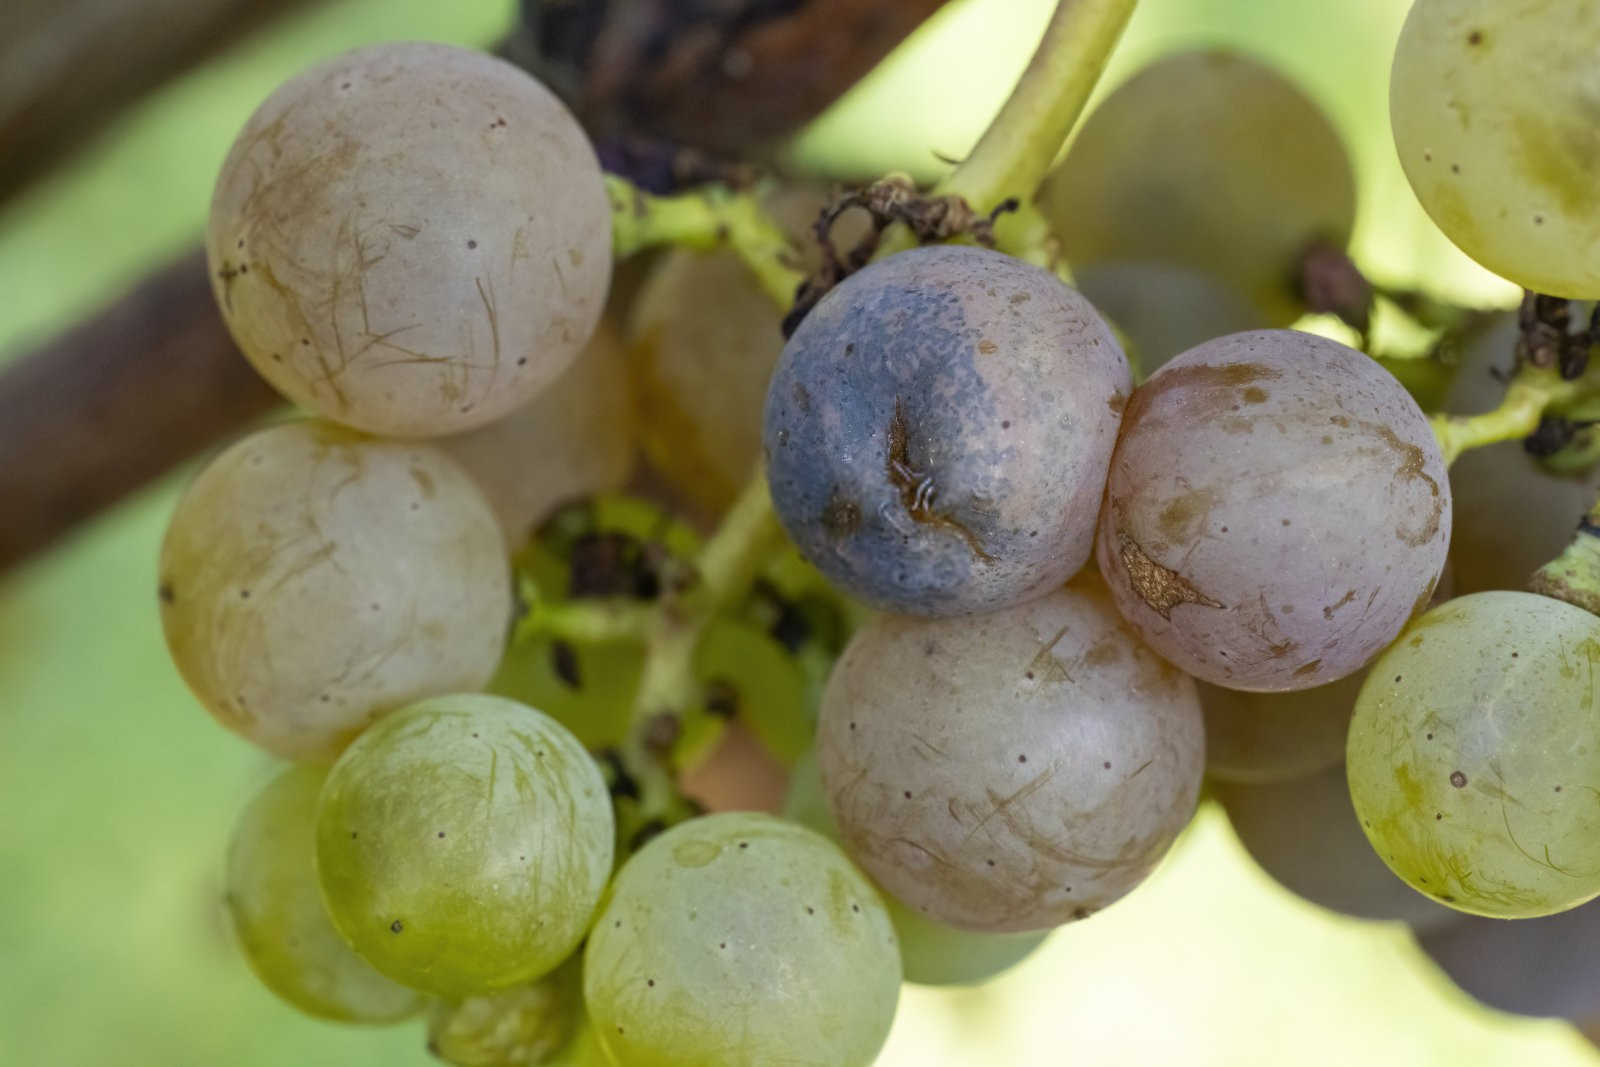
1016	151
705	218
1532	392
1574	576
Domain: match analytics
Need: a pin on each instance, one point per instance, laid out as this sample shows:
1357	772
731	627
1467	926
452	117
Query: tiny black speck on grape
651	982
1397	679
1106	765
810	910
989	862
1022	759
472	244
1458	779
441	833
244	594
908	793
396	926
856	908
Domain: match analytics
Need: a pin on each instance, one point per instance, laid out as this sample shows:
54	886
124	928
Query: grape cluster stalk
1021	565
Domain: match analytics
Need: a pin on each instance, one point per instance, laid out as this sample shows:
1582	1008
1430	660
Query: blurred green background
118	791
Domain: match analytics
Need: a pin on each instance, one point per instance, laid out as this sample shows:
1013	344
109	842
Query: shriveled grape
313	578
276	906
463	843
1304	833
1210	161
1010	771
578	436
1277	509
938	428
412	239
1472	753
1494	111
739	939
932	953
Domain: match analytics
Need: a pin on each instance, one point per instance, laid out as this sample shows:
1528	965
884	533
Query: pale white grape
463	843
1162	309
412	239
1277	509
1211	161
1305	835
1010	771
275	904
579	436
1494	108
932	953
313	578
1473	756
739	939
524	1026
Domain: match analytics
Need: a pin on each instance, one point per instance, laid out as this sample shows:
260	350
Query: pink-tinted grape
1277	509
1010	771
938	428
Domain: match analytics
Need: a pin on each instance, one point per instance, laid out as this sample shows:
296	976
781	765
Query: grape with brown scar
938	428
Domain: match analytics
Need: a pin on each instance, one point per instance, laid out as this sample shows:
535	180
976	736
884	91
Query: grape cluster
1024	608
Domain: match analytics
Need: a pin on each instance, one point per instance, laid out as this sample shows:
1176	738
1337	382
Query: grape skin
931	953
1210	161
577	437
523	1026
1164	310
1305	835
412	239
463	844
1472	755
1277	509
1262	738
938	428
1494	107
739	939
275	905
1049	819
313	578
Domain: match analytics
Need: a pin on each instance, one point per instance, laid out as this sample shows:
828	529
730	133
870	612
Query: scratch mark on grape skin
1161	588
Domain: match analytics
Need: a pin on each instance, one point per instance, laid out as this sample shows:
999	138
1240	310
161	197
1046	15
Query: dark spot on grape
856	908
472	244
306	341
324	698
244	594
1438	815
522	361
810	910
441	834
1558	789
1397	682
1081	913
1005	424
842	516
276	358
1513	655
1106	765
1455	168
908	793
850	349
1538	220
1447	898
165	593
1029	676
1458	779
353	835
344	85
723	945
989	862
396	926
651	982
1475	37
852	726
1430	737
1022	759
744	844
802	398
617	925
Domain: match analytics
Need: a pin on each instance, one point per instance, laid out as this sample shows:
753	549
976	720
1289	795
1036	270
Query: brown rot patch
1208	390
1161	588
1253	395
1307	668
917	490
1412	463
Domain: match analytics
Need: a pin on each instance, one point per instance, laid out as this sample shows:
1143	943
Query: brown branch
115	402
67	68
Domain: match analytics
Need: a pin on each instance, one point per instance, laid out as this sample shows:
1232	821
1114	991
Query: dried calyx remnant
931	219
1548	340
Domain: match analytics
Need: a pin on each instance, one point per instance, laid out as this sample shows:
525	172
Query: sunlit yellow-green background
117	792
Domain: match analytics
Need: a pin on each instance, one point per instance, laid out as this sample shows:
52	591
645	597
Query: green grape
932	953
1304	834
276	908
313	578
1494	108
463	844
1473	755
1493	546
412	239
579	436
739	939
522	1026
703	339
764	681
1209	161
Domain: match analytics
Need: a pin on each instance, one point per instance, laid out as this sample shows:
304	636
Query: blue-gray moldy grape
939	428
